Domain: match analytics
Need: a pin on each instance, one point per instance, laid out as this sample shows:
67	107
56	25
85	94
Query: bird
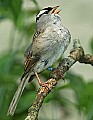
49	43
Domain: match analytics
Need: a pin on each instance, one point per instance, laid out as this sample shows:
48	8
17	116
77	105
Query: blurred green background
72	100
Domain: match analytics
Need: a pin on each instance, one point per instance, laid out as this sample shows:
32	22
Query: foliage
11	65
11	68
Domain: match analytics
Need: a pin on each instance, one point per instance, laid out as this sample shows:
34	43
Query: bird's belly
49	58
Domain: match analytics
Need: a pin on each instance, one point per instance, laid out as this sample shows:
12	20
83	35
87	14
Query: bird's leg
39	81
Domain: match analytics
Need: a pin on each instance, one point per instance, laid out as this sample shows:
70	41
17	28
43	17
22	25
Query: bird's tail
17	96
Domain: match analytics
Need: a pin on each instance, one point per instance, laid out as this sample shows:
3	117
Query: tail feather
17	96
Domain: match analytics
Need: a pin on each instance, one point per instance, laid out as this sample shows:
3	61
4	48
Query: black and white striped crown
43	11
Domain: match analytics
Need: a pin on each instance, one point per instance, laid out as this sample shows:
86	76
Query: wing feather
29	63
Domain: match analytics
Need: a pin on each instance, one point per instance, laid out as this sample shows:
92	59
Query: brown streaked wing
29	64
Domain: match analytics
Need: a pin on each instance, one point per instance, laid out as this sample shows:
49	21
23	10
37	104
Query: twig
76	54
87	59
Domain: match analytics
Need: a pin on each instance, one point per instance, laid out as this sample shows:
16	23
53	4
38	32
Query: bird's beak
54	10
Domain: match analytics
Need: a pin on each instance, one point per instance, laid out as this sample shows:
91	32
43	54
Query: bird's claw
43	84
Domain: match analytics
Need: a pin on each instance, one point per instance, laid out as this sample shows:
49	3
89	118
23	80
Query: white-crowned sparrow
50	41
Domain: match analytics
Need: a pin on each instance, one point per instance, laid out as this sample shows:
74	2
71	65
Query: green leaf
10	9
50	97
16	7
78	85
25	101
89	116
2	94
89	96
76	80
6	62
85	102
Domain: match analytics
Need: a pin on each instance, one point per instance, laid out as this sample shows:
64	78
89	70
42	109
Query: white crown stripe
41	12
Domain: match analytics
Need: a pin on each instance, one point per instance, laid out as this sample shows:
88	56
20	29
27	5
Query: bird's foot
43	84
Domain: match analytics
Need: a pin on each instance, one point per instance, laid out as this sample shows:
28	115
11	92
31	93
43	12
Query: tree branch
76	54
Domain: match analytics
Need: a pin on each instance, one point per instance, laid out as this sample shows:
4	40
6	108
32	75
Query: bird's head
48	15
